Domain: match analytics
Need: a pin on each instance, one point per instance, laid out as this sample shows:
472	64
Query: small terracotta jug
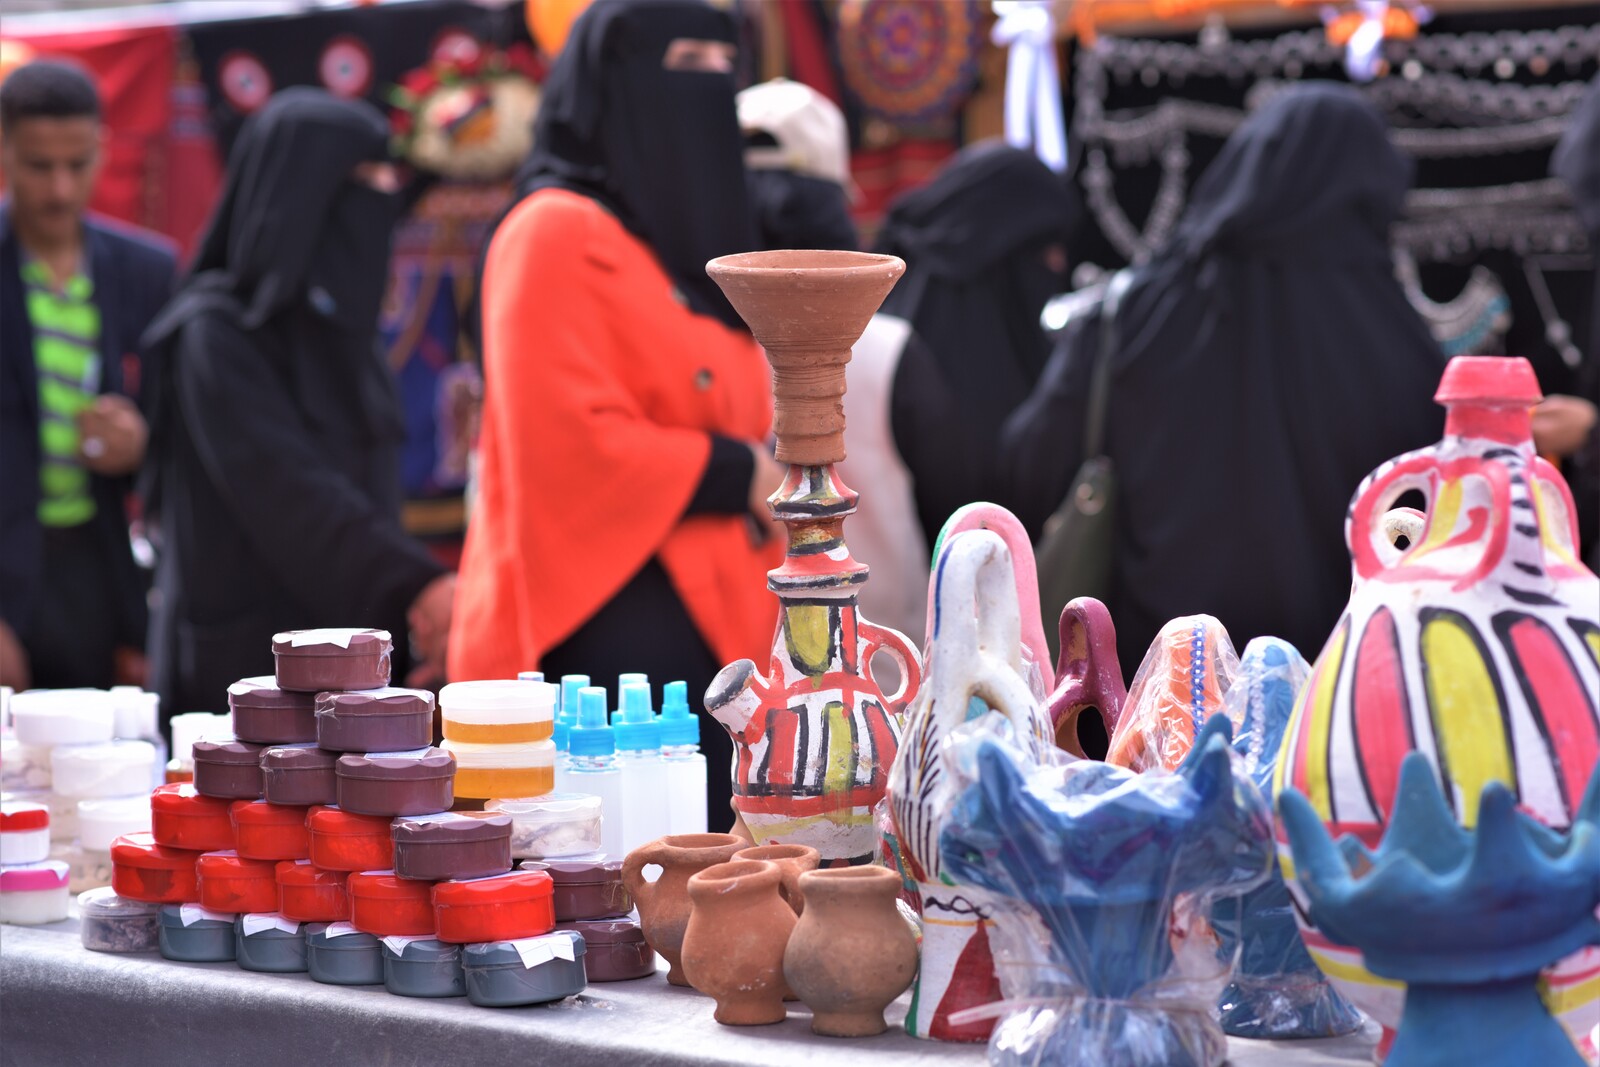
739	926
793	861
664	904
851	953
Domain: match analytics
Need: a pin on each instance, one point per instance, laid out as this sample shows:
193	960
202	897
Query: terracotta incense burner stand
815	736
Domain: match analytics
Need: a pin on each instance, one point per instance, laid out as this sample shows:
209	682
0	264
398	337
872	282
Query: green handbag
1074	551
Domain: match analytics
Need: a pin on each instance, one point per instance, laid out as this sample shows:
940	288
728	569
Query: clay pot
851	953
733	949
664	904
793	861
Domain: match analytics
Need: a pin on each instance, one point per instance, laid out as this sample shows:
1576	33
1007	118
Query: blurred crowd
1255	369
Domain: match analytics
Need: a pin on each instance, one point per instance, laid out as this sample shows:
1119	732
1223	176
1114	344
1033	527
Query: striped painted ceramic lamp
1478	645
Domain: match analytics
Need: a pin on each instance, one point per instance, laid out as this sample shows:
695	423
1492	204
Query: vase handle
633	866
900	649
1366	530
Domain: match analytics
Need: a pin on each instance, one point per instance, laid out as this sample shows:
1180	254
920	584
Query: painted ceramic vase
1180	684
733	948
664	904
813	737
1478	646
1465	918
847	988
973	663
1088	673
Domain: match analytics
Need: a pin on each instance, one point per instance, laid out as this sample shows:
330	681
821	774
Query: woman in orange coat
620	524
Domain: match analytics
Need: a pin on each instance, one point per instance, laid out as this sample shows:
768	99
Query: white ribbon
1027	28
193	913
340	930
544	948
256	922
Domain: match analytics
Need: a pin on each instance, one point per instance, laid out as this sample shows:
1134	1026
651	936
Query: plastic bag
1180	685
1100	881
1277	990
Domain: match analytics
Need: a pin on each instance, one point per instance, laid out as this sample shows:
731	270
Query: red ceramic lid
397	766
448	827
301	757
140	850
384	885
263	692
339	641
179	798
388	701
233	865
1507	380
301	873
260	813
16	816
495	889
327	819
228	751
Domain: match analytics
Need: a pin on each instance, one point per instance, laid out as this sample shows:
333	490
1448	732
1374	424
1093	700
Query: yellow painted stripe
1568	998
1466	712
1320	724
1592	639
1441	519
841	753
1552	533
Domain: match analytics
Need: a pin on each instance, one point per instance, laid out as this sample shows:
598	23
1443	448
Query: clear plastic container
23	767
102	820
85	869
109	923
525	769
48	717
34	894
24	832
556	824
63	815
497	712
107	769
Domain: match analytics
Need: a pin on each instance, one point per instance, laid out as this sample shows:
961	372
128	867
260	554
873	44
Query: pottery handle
1370	546
633	866
1088	674
900	649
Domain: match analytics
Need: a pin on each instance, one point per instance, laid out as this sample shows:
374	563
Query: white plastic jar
554	825
108	769
23	767
24	832
496	712
63	716
33	894
101	821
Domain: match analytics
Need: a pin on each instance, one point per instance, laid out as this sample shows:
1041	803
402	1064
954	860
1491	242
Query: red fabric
133	70
599	392
884	173
808	49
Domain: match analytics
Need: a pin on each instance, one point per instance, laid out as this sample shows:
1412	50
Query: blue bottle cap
568	707
591	735
632	679
635	722
559	731
679	724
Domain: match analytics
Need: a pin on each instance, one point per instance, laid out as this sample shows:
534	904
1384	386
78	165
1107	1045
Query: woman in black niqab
1266	360
984	249
272	475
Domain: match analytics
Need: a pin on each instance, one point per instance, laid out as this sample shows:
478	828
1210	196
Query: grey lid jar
339	954
206	936
498	976
422	968
275	949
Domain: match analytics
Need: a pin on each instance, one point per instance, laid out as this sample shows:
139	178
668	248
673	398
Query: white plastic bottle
593	767
686	764
644	772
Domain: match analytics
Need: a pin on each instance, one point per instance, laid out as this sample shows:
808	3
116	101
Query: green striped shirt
66	352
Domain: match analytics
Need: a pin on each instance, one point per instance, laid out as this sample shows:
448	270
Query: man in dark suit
75	294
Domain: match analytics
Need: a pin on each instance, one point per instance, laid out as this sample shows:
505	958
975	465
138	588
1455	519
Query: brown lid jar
267	715
451	845
227	768
316	661
418	782
375	720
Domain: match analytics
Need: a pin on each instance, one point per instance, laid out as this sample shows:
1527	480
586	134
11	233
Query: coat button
702	379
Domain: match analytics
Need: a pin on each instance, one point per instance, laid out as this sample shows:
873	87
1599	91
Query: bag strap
1094	434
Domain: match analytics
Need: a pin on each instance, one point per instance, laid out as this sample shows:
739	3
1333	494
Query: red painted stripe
884	746
1382	714
1559	703
781	747
804	807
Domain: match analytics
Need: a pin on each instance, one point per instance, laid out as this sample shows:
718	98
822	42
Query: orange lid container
383	904
229	882
155	874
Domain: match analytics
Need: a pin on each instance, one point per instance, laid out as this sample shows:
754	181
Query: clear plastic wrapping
1101	881
1180	685
1277	990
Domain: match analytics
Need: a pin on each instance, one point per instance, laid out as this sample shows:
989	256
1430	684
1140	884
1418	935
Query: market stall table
61	1004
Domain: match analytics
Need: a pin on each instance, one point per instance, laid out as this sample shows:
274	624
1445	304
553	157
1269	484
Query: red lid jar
298	775
502	907
182	818
419	782
227	768
229	882
310	894
346	841
384	905
267	715
318	661
155	874
270	831
378	720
